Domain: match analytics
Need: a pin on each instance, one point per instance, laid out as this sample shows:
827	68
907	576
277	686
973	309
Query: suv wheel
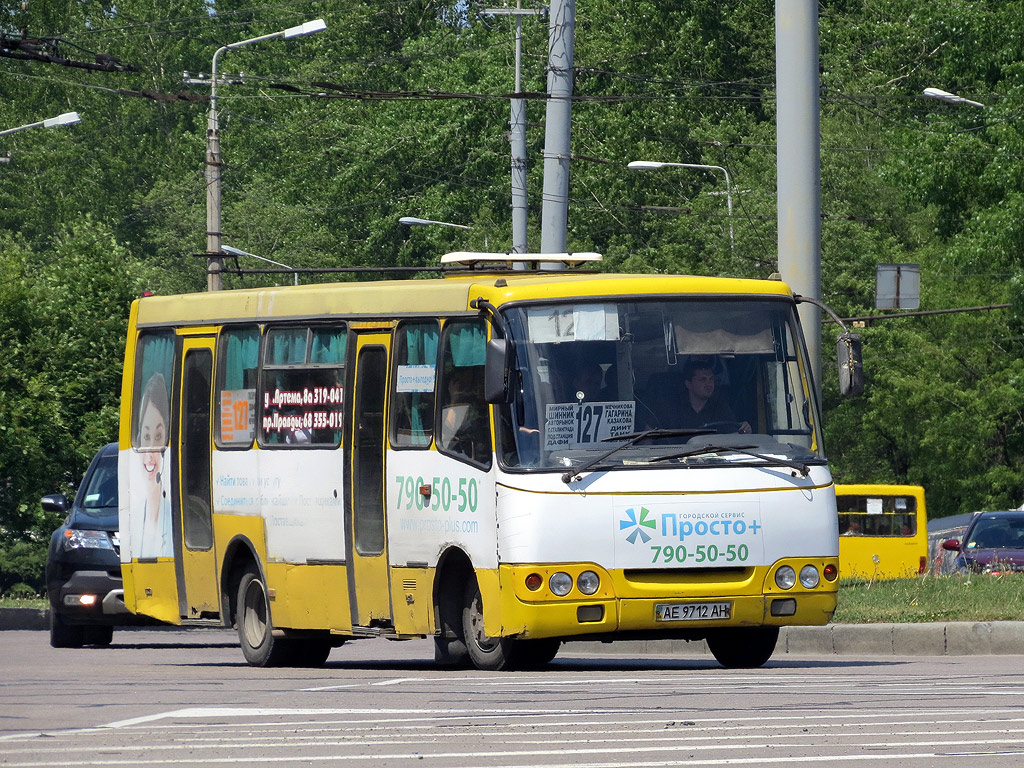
64	635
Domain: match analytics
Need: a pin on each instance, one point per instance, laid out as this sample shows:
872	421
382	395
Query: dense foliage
400	108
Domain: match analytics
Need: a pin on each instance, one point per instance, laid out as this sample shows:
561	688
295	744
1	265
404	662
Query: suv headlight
80	539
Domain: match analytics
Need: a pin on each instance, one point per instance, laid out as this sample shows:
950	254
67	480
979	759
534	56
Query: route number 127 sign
581	425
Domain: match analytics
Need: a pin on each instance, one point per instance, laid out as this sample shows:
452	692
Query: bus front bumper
668	614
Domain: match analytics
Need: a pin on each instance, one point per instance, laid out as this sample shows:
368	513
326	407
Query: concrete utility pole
558	127
517	132
798	140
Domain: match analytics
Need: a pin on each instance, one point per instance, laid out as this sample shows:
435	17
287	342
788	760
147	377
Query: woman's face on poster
152	438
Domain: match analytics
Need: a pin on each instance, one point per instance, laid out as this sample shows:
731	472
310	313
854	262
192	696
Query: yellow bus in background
493	459
883	531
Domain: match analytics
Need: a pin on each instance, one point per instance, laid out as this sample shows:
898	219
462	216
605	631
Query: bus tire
534	654
255	627
494	654
743	647
311	652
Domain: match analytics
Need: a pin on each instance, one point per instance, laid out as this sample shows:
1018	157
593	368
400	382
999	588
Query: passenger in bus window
464	428
151	525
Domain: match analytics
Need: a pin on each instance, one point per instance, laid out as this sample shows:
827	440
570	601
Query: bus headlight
560	583
809	576
785	577
588	582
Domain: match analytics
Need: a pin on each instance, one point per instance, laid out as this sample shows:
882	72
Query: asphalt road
186	698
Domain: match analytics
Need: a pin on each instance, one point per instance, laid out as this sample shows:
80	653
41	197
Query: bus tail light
923	566
534	582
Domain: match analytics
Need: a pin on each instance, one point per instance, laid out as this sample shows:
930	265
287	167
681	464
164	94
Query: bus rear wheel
255	628
495	654
743	647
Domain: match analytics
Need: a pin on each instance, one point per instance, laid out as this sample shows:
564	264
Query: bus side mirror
496	372
851	367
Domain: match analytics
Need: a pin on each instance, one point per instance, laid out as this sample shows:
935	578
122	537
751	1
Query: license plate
692	611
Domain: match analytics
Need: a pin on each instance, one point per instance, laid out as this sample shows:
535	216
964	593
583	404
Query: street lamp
412	221
68	118
650	165
949	98
240	252
213	174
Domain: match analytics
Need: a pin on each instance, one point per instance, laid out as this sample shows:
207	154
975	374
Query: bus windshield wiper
630	439
799	466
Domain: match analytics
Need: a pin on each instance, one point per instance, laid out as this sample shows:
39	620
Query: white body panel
711	517
459	511
299	494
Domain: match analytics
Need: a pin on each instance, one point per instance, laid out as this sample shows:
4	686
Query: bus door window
368	451
414	379
463	424
238	352
195	458
302	391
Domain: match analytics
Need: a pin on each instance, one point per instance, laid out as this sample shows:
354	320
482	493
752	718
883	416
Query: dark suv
83	566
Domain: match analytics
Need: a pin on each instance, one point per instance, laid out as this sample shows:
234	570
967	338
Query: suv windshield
98	497
727	376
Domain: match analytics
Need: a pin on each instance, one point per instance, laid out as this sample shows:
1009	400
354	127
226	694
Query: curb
24	618
953	638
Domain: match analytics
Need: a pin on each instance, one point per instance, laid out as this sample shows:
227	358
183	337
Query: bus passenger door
198	596
368	582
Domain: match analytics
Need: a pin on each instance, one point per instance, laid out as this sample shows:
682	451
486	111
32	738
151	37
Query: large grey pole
518	139
558	125
798	140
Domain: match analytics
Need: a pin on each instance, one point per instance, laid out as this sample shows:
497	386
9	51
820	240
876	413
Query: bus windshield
725	374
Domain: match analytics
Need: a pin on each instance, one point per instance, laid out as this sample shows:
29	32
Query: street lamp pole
68	118
240	252
215	260
649	165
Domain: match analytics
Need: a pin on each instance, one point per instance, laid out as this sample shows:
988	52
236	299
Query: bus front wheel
255	628
743	647
494	654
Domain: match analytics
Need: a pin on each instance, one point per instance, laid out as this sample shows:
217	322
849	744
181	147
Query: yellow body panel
151	589
412	600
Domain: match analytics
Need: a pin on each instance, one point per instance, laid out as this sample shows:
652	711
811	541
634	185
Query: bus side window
413	382
237	360
302	392
463	423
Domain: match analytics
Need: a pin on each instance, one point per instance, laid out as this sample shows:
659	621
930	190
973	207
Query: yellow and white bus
883	531
496	458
